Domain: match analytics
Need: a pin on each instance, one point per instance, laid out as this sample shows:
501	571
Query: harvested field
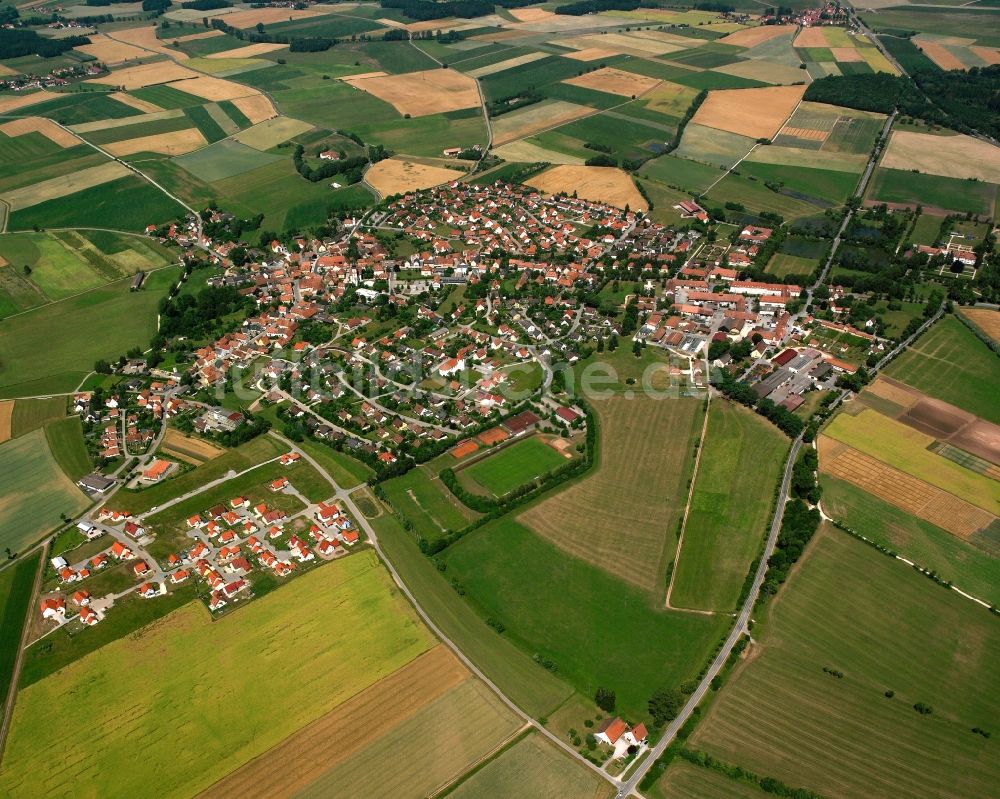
49	129
805	133
957	156
990	55
397	175
531	14
191	37
757	113
510	63
111	51
895	392
65	184
272	132
846	55
762	70
906	449
615	81
176	142
811	37
940	55
901	490
6	414
197	449
605	184
432	91
955	426
528	152
634	497
255	107
13	102
303	757
271	16
985	319
145	37
751	37
249	51
536	118
590	54
214	89
146	75
134	102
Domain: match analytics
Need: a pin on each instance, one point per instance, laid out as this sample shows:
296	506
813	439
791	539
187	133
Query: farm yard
313	610
849	734
634	496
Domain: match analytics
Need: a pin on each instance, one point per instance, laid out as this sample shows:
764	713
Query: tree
664	705
27	270
102	367
605	699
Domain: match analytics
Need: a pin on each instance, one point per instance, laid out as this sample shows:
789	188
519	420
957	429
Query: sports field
741	463
532	767
950	363
633	498
35	491
588	623
427	504
515	465
885	628
115	319
309	656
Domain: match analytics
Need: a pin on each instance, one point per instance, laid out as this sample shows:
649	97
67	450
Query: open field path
15	673
344	496
739	628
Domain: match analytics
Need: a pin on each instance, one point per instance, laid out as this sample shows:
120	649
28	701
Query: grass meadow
35	491
968	566
65	440
514	466
195	683
935	191
950	363
102	323
883	626
16	584
429	506
30	414
741	463
584	621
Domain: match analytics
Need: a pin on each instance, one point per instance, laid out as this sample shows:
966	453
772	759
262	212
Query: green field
971	566
293	634
741	463
347	471
537	691
681	172
532	767
949	362
783	264
883	626
585	621
514	466
65	440
113	318
243	457
685	780
16	584
35	491
933	191
30	414
827	185
128	203
427	504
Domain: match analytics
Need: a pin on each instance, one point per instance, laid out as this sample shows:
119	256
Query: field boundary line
687	510
15	676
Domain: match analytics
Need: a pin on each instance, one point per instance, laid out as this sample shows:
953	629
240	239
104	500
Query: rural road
735	634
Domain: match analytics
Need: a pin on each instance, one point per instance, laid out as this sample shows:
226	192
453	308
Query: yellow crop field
906	449
188	700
